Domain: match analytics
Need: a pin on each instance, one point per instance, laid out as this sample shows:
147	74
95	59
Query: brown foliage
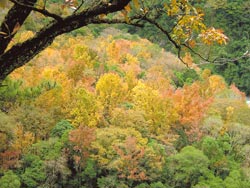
81	139
130	164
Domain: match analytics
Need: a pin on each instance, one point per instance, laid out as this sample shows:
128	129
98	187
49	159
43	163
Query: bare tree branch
79	6
134	21
42	11
16	15
223	61
196	53
177	46
245	55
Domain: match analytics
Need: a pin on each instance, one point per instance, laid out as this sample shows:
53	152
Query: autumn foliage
110	113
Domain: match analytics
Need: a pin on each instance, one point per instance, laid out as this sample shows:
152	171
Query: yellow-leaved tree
84	109
111	91
158	110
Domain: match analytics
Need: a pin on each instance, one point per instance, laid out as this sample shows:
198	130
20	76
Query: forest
124	105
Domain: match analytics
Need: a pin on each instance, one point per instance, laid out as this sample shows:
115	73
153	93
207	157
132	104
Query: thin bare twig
78	7
245	55
196	53
163	31
223	61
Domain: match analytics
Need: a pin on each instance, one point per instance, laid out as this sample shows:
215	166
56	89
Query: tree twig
79	6
194	52
42	11
223	61
177	46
